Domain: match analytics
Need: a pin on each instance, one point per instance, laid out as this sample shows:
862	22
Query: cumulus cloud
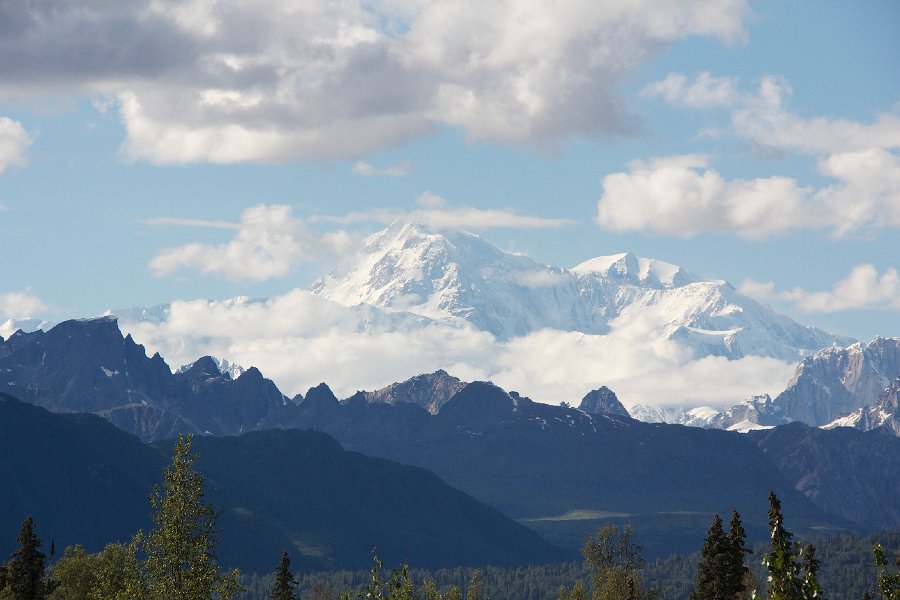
14	142
22	304
705	91
437	213
683	196
764	119
269	242
399	170
863	288
300	339
274	81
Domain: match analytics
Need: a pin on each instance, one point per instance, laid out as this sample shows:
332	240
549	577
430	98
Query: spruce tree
284	580
181	562
25	572
738	574
713	570
792	572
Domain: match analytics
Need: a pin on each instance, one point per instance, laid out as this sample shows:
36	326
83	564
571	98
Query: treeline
176	560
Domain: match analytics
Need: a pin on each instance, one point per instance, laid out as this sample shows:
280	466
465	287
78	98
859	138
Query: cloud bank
299	339
274	81
683	195
862	289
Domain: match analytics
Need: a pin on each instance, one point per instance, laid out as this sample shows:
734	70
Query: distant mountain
885	413
843	471
564	471
84	481
429	391
536	462
827	387
602	401
88	366
461	277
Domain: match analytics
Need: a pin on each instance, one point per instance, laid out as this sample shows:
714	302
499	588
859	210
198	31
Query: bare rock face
603	401
883	414
430	391
837	381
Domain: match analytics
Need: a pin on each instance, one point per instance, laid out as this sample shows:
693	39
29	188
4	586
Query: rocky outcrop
430	391
603	401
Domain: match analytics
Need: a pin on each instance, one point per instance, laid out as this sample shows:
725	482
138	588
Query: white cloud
862	288
438	214
860	158
705	91
548	277
20	304
683	196
275	81
764	119
300	339
399	170
268	244
14	142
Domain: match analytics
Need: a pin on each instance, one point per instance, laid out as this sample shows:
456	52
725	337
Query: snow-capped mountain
885	413
225	367
458	276
835	387
699	416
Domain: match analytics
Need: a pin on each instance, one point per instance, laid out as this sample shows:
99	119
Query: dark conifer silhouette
284	580
25	572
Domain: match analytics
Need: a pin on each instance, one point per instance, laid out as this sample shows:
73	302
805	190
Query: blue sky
755	142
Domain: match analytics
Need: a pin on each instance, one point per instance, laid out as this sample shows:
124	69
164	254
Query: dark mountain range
843	471
85	481
559	469
88	366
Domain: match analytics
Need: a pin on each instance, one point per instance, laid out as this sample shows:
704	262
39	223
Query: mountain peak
626	266
603	401
430	391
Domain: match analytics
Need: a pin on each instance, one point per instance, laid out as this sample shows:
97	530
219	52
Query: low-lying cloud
299	340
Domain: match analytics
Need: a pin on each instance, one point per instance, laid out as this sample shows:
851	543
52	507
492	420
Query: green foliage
792	572
888	583
25	572
284	580
578	592
614	561
75	575
181	562
475	590
721	573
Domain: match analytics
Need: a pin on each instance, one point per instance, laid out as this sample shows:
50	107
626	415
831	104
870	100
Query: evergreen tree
789	579
25	572
714	572
284	580
738	574
181	563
